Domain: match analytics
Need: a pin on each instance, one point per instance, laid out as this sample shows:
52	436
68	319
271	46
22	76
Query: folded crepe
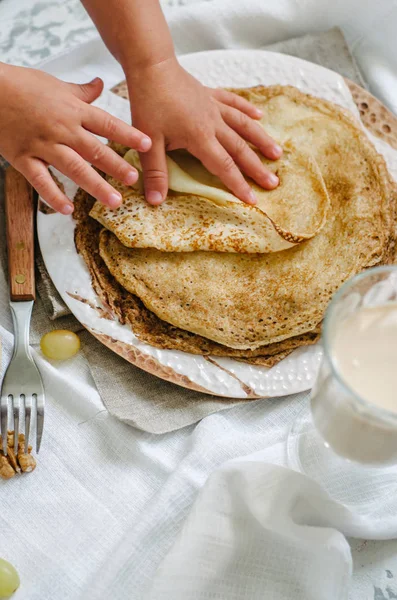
130	310
200	214
248	302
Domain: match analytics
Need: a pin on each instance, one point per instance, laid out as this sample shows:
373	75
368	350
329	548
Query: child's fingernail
277	150
114	200
252	198
131	177
259	112
96	80
273	179
67	209
146	144
154	198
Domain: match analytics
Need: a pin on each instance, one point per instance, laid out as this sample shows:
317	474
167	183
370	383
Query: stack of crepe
207	274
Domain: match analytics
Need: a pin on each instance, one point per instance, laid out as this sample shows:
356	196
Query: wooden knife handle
20	236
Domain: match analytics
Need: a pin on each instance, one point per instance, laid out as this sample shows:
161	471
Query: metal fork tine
22	401
4	421
28	410
15	410
39	419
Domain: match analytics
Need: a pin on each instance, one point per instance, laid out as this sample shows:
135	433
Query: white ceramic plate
223	377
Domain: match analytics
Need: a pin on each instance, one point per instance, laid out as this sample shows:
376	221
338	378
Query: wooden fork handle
20	236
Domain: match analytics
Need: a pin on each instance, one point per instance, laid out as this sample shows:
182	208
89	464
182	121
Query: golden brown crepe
203	215
130	310
262	305
244	301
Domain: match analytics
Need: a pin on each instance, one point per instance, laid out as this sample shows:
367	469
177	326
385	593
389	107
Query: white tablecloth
101	517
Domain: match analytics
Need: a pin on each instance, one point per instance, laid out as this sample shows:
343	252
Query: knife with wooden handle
20	236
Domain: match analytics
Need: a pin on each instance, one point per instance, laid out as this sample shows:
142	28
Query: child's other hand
45	121
177	111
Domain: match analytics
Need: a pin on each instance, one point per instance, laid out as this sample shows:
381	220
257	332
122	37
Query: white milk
365	351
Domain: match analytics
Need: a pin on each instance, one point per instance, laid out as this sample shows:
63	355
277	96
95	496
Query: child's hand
44	121
176	111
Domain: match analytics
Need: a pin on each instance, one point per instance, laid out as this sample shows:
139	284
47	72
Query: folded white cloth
258	530
103	516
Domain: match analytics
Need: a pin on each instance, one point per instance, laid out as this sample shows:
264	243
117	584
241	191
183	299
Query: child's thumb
88	92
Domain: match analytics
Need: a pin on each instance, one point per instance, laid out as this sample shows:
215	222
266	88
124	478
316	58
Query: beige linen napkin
136	397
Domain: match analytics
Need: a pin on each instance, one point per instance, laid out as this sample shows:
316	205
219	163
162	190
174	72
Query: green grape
9	579
60	344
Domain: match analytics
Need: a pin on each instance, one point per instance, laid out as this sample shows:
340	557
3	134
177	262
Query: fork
22	396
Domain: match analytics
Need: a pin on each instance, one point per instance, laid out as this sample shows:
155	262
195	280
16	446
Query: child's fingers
219	162
87	92
246	159
68	162
251	131
105	159
155	173
102	123
36	172
236	101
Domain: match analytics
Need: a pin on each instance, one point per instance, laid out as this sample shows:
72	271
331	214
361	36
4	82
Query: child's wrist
137	72
140	62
